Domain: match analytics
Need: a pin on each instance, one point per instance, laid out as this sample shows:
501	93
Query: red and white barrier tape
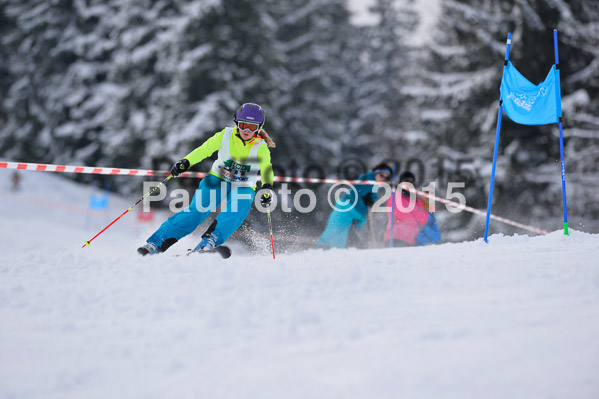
479	212
82	169
144	172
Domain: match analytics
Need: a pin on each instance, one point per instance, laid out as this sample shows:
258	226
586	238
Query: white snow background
515	318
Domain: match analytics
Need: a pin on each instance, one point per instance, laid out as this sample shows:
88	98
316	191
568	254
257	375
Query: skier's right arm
206	149
199	154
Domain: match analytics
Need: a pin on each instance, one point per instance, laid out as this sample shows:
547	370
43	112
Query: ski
222	250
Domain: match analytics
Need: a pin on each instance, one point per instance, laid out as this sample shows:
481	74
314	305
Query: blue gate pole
558	99
493	172
497	132
393	188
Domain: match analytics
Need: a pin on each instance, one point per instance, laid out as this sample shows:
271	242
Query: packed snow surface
515	318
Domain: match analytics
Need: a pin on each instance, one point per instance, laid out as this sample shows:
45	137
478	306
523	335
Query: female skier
242	150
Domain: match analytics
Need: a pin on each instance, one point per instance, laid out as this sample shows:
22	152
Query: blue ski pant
208	197
340	223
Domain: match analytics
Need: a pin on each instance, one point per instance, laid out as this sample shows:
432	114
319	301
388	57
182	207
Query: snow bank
516	318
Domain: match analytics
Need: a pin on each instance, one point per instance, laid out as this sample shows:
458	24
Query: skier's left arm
266	171
267	175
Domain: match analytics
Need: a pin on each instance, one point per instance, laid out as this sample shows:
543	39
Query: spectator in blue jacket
352	209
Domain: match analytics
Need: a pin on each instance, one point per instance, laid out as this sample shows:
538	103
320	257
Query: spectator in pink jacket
417	226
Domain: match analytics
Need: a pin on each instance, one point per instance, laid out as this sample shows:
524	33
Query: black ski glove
267	196
368	199
179	167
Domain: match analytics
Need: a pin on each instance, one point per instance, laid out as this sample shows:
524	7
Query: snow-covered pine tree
462	92
85	81
579	63
315	38
229	57
5	78
32	30
129	83
386	64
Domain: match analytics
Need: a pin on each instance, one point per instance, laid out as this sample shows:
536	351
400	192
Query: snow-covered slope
516	318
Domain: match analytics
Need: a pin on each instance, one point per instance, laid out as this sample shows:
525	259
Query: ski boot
150	248
147	249
206	244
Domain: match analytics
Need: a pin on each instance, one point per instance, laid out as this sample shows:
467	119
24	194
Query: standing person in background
415	227
347	213
15	179
242	150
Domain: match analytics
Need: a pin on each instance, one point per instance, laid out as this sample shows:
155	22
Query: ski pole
393	190
272	241
87	243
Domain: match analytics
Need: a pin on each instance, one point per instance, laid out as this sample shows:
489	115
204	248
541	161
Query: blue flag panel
530	104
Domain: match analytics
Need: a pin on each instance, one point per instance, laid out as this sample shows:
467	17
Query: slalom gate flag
527	103
98	202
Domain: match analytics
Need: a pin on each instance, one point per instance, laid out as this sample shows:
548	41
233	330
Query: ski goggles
383	172
252	127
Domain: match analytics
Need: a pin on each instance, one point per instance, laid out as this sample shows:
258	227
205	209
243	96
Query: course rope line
161	173
40	167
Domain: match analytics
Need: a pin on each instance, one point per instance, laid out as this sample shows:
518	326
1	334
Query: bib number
234	171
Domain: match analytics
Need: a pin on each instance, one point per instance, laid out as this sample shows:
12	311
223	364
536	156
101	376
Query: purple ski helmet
250	112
